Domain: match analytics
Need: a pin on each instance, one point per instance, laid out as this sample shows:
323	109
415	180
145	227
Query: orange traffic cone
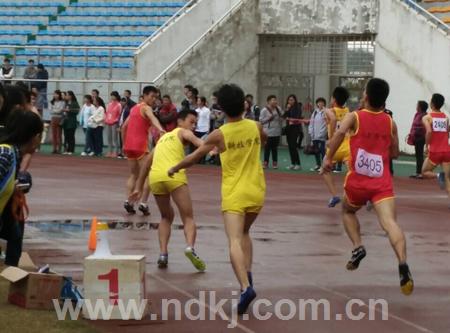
92	244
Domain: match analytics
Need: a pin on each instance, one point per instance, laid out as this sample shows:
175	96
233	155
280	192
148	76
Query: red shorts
134	154
359	197
439	158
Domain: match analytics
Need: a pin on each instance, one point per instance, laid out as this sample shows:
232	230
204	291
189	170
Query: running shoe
358	254
163	260
144	209
198	263
129	208
333	202
406	281
297	167
316	168
275	165
265	165
84	154
291	167
246	298
441	180
91	154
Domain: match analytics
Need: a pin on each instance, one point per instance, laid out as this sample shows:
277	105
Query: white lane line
185	293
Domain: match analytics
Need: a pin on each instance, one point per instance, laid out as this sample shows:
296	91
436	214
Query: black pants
292	134
11	231
69	139
419	145
271	146
95	139
319	147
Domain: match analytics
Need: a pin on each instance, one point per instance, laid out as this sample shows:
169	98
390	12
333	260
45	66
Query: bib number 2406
368	164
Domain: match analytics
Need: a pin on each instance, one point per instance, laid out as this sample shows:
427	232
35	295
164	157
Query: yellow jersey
8	183
169	151
343	151
243	183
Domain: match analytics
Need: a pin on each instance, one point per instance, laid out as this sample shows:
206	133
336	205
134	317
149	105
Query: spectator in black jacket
42	102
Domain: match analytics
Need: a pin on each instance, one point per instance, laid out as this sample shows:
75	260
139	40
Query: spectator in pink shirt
113	111
168	114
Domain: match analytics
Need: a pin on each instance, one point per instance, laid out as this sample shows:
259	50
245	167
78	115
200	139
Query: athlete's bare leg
329	181
134	174
165	226
428	169
237	229
351	223
247	245
182	198
387	217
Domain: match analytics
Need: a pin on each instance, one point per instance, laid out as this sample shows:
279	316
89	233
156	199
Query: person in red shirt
168	114
373	141
436	139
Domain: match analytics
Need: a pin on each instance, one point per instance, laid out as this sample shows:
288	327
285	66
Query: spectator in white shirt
96	122
204	116
6	72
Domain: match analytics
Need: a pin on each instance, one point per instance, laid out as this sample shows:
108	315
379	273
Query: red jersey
370	152
439	133
136	138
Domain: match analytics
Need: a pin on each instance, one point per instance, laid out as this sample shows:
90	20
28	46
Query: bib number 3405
368	164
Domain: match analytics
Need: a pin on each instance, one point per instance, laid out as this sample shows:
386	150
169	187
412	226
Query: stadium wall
413	56
230	54
318	16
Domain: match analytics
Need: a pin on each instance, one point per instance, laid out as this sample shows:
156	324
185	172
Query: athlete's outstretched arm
331	118
188	136
155	122
215	139
262	134
426	122
395	149
347	124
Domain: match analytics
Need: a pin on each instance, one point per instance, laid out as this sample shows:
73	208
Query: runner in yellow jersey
243	185
334	116
170	150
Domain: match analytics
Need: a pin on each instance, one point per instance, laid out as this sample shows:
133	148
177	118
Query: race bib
440	125
370	165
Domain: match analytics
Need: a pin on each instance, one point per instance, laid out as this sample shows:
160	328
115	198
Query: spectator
127	95
86	113
6	71
56	112
294	131
417	137
113	112
95	127
123	116
255	108
248	113
168	114
33	99
271	121
204	115
41	87
70	122
95	94
30	72
318	131
21	135
216	113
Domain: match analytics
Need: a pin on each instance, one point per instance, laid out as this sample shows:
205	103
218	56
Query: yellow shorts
243	210
167	187
341	156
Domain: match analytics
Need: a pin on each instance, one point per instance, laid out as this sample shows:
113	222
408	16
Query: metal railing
192	48
429	16
166	24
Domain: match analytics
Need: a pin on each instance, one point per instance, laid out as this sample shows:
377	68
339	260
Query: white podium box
115	283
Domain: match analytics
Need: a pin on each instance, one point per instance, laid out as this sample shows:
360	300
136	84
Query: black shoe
246	298
358	254
129	208
144	209
406	281
163	261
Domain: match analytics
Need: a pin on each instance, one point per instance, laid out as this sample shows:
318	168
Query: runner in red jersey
437	130
373	141
135	135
